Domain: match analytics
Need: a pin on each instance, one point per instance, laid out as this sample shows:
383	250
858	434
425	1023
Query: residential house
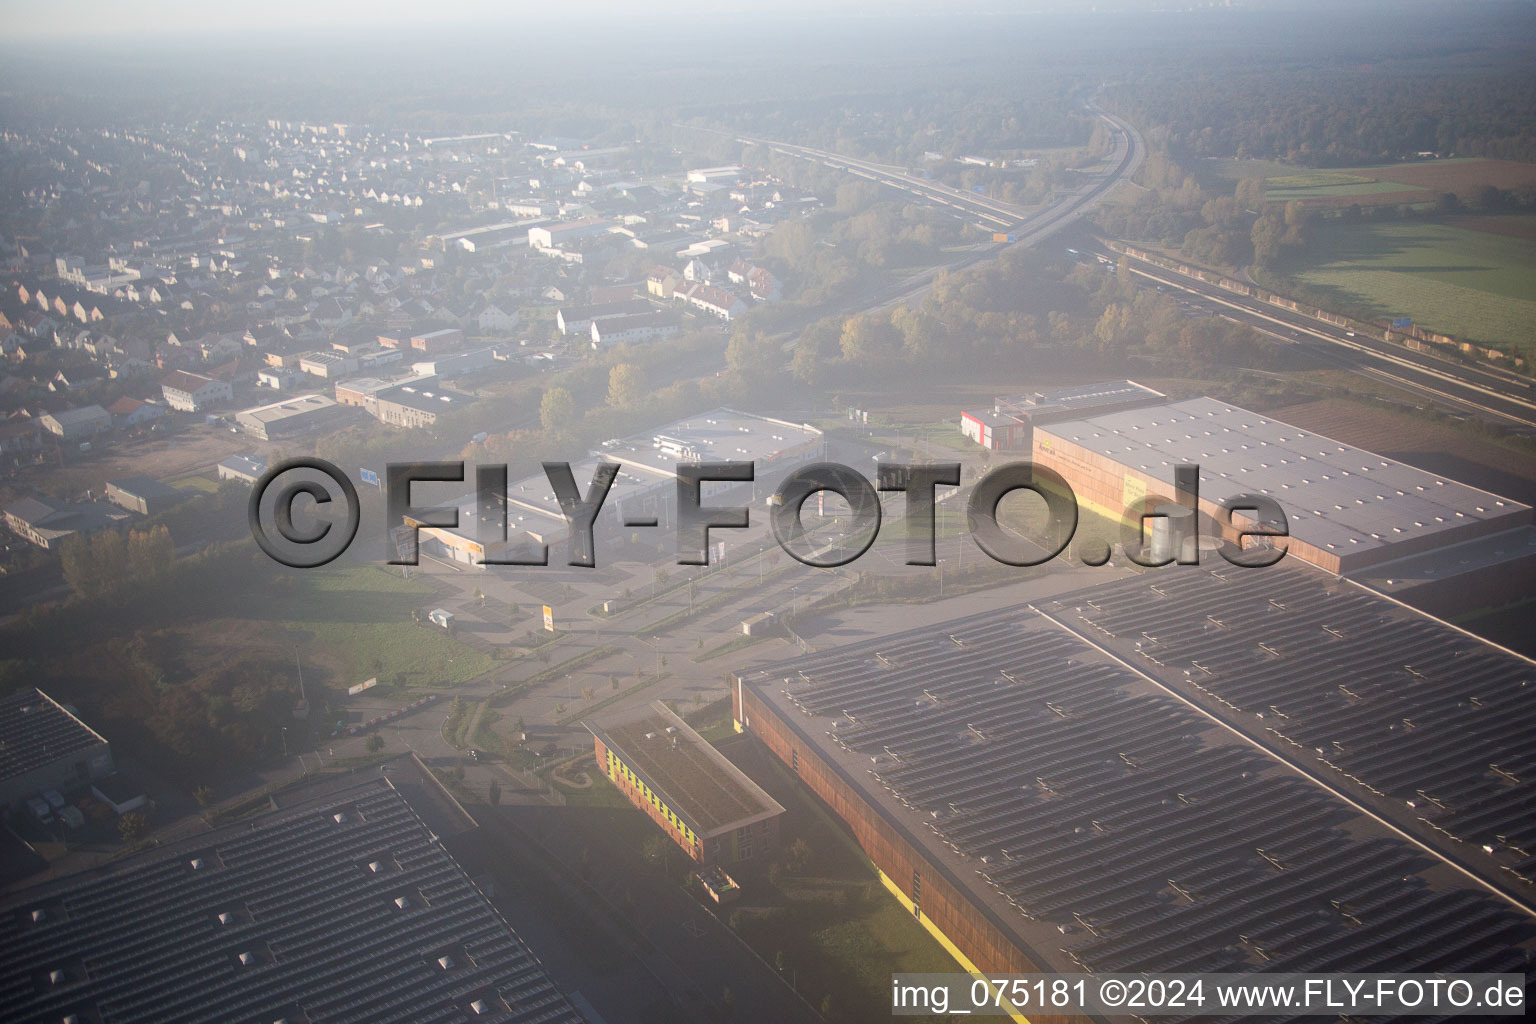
185	391
128	413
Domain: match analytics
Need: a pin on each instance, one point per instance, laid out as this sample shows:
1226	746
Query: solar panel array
1099	807
35	731
1400	704
347	912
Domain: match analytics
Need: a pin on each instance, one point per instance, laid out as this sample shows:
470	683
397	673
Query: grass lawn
359	619
1326	184
713	721
1472	284
197	482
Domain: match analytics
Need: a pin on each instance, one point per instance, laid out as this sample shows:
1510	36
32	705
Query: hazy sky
168	17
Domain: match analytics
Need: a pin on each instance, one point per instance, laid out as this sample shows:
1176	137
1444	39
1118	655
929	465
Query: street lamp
285	740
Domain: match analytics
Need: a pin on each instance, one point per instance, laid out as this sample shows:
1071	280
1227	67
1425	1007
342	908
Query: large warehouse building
1009	425
342	907
646	487
1347	509
1427	724
702	802
1042	805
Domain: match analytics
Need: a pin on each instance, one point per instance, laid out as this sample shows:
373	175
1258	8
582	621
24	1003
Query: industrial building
84	421
144	495
1428	724
329	365
645	488
1009	425
1347	509
46	521
343	906
245	468
435	342
45	746
704	804
359	391
415	404
552	236
1040	806
289	417
455	364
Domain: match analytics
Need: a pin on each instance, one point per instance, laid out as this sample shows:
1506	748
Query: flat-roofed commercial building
1346	508
245	468
343	905
416	404
289	417
1042	805
434	342
702	802
552	236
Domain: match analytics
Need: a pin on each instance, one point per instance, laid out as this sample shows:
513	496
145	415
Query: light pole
284	729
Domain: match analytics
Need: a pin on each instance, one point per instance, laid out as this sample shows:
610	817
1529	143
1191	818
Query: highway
1503	397
1027	226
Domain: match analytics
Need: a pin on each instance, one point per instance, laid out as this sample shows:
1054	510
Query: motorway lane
1026	226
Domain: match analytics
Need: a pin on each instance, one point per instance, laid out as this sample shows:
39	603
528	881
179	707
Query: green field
359	619
197	482
1326	185
1470	284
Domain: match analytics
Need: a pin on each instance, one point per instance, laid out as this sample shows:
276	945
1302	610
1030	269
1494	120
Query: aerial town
779	526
